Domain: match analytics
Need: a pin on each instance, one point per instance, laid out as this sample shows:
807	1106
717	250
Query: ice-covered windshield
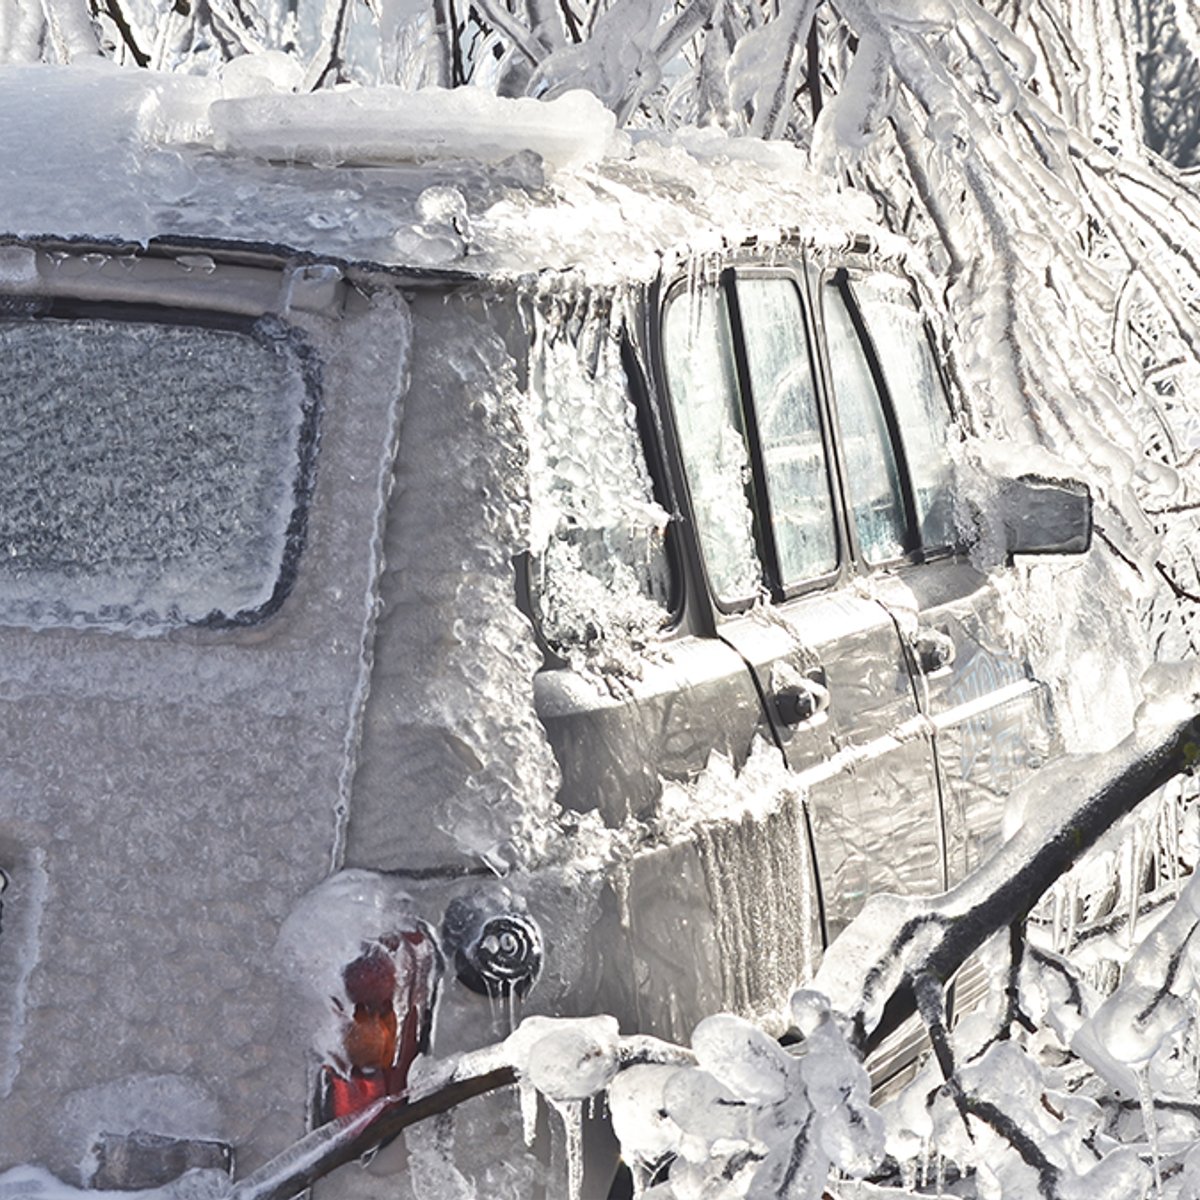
150	473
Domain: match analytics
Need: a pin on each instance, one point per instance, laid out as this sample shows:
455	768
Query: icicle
529	1110
620	882
1137	863
1056	919
511	1003
1072	914
1172	811
924	1163
571	1113
1146	1096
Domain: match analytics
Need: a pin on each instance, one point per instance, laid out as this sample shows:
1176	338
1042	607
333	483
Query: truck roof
442	182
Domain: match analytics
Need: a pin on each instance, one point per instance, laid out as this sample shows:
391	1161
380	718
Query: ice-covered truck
456	562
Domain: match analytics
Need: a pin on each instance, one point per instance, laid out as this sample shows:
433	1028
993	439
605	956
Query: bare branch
348	1138
114	12
936	937
328	58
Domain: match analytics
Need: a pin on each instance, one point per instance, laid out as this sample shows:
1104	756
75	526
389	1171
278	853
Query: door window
873	476
915	387
789	429
755	430
702	379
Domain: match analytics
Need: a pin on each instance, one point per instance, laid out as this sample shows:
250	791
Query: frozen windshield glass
899	334
149	473
698	349
785	406
870	460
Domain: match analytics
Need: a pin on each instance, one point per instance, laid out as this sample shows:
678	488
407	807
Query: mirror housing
1045	516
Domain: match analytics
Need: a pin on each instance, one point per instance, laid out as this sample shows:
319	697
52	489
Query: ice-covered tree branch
869	970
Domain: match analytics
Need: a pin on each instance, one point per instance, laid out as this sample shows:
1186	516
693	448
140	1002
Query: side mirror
1045	516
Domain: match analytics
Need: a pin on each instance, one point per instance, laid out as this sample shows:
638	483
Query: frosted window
912	378
601	572
148	473
785	405
704	390
873	479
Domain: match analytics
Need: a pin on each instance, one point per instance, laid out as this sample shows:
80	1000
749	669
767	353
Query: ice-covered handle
799	702
934	650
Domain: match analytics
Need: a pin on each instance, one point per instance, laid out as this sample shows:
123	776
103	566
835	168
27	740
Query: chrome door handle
934	651
802	701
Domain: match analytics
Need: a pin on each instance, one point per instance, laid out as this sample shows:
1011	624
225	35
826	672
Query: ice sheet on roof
104	153
390	125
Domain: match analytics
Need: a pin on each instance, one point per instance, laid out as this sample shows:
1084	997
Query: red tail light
387	1018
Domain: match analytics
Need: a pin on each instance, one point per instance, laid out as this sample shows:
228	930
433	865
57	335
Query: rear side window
151	474
601	572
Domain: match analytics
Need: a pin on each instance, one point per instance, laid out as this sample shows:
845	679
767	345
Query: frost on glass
915	387
149	472
785	406
598	535
698	350
870	461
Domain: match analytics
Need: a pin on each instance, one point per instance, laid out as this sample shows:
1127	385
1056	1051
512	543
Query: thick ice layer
128	155
324	932
36	1183
387	125
451	740
177	795
597	536
1145	1023
566	1060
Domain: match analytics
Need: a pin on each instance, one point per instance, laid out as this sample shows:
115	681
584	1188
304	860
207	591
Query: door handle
934	651
801	701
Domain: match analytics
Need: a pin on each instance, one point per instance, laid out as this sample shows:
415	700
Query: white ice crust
102	153
387	125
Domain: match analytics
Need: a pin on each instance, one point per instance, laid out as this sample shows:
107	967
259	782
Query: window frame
809	275
772	571
67	308
842	275
766	548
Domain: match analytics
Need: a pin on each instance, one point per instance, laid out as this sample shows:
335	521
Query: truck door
757	448
655	721
990	718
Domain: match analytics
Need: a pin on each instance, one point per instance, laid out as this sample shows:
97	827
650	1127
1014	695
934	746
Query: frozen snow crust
457	181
